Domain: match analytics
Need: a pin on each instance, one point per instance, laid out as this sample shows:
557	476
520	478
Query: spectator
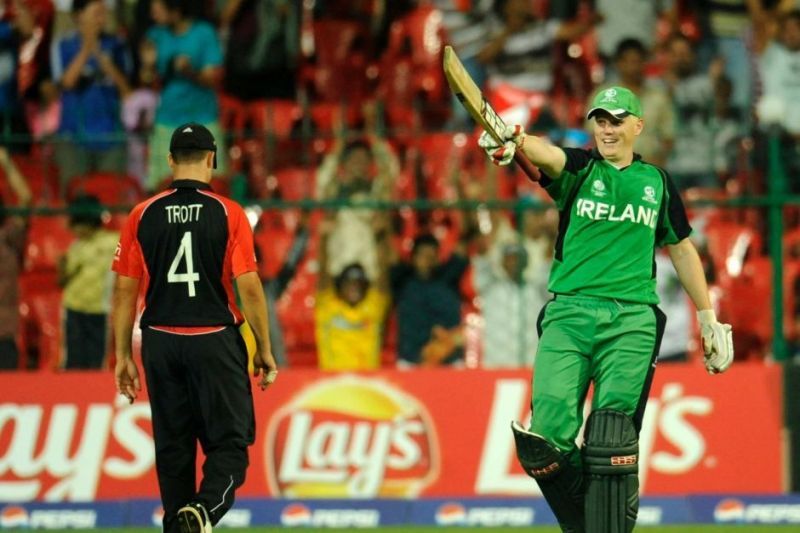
780	76
275	286
186	56
85	274
262	42
350	310
519	55
655	141
356	171
692	94
727	29
631	19
12	241
728	129
510	305
426	292
16	25
91	67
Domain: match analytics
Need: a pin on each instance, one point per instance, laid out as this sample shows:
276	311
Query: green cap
617	101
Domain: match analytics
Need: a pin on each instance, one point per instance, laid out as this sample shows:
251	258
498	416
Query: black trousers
85	339
199	392
9	354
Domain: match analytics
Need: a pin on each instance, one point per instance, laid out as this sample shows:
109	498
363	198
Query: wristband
706	316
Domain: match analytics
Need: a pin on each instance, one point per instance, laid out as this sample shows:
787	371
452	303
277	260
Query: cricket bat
479	109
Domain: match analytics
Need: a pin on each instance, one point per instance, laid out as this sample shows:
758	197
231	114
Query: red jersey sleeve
128	256
243	254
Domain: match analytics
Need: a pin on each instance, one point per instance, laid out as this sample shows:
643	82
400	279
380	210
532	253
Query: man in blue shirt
91	67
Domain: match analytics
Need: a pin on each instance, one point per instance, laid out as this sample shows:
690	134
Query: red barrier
392	433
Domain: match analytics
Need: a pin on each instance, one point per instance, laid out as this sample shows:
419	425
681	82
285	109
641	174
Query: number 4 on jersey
190	277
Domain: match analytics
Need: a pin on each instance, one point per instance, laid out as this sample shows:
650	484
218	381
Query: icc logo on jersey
598	188
650	195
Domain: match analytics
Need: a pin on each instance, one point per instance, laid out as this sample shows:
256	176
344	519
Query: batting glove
502	154
717	342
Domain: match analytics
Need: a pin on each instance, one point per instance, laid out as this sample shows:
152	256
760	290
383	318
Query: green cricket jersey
610	223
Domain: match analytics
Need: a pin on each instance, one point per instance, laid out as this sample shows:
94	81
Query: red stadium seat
273	241
40	174
339	71
276	117
110	188
295	183
49	238
296	315
730	245
40	319
442	156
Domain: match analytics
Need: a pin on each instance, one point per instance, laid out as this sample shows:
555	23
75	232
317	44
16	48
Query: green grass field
411	529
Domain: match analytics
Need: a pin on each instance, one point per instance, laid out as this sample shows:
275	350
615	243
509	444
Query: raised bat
472	99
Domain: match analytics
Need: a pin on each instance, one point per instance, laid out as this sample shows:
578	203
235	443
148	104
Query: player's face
615	137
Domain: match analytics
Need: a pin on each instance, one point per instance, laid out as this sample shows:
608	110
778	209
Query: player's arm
254	307
689	267
123	312
716	337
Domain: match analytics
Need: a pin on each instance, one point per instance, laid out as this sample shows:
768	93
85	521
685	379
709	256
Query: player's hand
126	375
502	154
265	368
717	341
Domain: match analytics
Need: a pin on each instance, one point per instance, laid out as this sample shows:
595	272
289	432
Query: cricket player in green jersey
603	326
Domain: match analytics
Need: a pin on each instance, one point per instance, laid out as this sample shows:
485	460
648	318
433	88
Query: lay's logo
351	437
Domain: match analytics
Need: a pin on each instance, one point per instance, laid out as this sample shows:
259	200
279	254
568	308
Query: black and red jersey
187	244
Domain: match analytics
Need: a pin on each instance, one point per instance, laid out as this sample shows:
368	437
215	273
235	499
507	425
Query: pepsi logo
729	510
451	513
296	514
158	516
13	516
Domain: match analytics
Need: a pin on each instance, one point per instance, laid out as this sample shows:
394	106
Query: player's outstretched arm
254	307
549	158
717	338
126	374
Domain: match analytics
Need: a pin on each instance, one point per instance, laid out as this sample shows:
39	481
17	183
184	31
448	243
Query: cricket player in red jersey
182	248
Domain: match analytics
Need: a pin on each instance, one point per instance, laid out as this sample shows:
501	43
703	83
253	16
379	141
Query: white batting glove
502	154
717	342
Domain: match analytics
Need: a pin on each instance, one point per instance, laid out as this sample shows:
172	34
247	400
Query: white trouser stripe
223	496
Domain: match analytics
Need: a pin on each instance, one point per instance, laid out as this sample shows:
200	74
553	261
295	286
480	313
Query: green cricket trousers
583	340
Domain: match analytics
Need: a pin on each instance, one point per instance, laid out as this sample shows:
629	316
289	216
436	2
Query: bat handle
527	167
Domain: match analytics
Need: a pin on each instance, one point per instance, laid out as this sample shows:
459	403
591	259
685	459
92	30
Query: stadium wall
405	444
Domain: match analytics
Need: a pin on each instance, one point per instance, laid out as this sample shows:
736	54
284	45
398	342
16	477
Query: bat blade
471	97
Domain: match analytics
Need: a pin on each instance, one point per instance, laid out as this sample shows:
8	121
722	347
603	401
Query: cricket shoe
193	518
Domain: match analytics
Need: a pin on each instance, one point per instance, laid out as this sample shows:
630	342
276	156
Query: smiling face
615	137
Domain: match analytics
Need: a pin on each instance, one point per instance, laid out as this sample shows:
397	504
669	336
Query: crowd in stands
340	109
